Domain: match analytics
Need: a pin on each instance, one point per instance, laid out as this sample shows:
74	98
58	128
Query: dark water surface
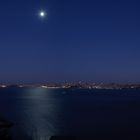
40	113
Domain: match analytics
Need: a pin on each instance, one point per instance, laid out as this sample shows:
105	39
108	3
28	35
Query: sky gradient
88	40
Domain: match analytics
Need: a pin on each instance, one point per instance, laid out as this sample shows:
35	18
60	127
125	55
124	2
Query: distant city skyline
78	40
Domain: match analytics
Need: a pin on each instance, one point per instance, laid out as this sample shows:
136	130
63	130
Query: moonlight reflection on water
41	113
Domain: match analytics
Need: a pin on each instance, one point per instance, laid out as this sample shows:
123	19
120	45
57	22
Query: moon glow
42	14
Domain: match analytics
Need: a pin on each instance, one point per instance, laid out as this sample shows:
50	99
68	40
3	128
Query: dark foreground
71	114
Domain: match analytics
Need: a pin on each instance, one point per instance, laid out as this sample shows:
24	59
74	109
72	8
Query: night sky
88	40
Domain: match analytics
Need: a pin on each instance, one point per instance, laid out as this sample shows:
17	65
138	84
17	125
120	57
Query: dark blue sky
89	40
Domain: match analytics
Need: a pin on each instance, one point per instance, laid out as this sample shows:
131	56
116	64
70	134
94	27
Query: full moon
42	14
